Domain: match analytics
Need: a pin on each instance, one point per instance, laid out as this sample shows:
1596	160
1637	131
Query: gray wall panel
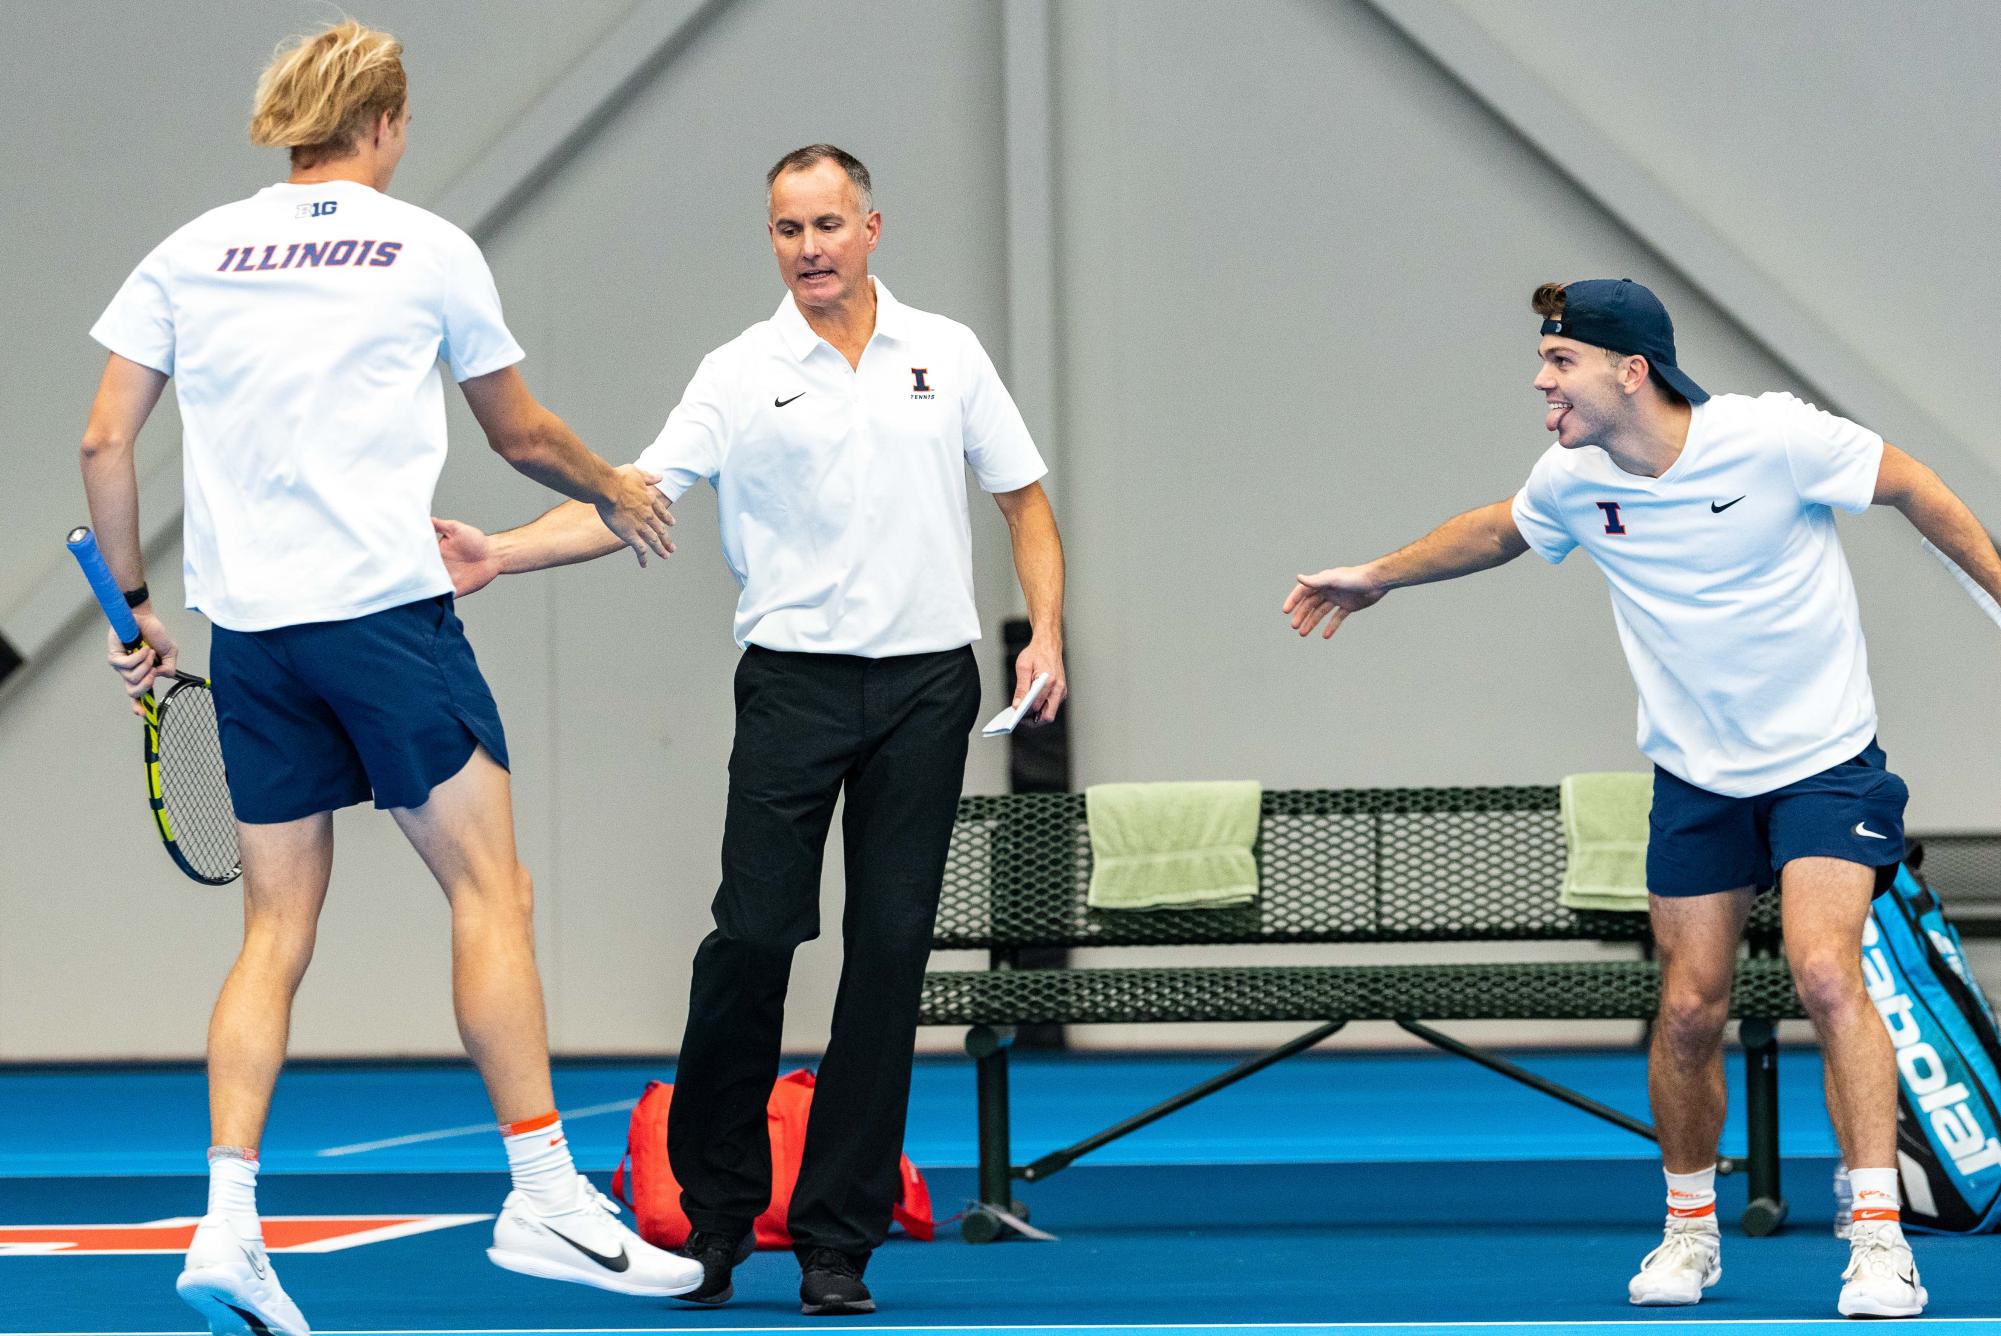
1292	261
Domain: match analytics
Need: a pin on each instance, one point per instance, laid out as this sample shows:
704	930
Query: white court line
445	1133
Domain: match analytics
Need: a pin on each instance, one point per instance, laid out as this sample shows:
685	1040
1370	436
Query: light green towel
1605	833
1173	846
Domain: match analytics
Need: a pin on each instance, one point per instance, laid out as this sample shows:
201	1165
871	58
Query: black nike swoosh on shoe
780	403
619	1262
250	1320
1715	509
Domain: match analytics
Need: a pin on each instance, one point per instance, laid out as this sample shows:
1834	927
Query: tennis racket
183	746
1968	583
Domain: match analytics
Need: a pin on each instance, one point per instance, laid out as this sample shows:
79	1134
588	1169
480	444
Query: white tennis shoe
1882	1278
229	1280
1689	1261
587	1245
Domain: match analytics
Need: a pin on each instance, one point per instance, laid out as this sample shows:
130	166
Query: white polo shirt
303	328
842	490
1729	588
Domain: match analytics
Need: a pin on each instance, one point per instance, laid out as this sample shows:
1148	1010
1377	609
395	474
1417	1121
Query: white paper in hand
1003	723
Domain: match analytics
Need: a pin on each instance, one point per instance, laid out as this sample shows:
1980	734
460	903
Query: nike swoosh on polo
1862	828
1715	509
610	1262
780	403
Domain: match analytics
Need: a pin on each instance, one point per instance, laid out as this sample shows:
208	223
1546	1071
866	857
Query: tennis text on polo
310	255
1950	1105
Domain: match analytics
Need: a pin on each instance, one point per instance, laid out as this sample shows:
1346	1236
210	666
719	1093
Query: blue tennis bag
1948	1061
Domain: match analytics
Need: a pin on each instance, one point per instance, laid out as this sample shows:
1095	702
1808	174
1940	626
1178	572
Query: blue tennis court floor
1347	1193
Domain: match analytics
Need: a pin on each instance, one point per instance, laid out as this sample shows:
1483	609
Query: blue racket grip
83	546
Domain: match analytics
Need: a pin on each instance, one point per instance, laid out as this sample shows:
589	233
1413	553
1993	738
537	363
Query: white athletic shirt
842	490
1729	588
303	327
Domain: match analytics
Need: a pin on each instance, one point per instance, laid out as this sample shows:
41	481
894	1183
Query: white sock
538	1155
232	1188
1876	1199
1692	1196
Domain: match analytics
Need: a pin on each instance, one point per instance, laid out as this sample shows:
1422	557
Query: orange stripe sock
549	1119
1692	1196
538	1158
1875	1195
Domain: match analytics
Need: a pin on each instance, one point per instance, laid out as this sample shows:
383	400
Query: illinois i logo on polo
920	388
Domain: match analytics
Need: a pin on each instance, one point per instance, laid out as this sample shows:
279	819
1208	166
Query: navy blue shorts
1700	842
327	714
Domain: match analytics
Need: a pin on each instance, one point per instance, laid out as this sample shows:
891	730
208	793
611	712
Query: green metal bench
1335	866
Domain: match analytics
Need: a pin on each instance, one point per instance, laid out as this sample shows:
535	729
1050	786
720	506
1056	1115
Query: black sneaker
830	1283
719	1254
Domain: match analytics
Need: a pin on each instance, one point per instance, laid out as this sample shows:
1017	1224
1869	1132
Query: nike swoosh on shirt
1715	509
613	1262
780	403
1862	828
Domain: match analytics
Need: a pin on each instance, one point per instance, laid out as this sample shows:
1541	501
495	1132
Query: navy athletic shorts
327	714
1700	842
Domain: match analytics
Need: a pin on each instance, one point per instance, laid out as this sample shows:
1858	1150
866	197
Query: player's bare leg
1826	902
465	834
1698	937
554	1224
286	866
285	870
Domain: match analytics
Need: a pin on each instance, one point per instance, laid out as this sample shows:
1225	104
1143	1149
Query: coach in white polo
837	435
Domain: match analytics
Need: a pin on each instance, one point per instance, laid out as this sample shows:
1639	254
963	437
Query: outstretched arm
1475	541
541	445
570	533
1936	511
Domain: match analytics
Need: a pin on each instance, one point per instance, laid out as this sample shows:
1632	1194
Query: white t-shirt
1729	588
302	328
842	490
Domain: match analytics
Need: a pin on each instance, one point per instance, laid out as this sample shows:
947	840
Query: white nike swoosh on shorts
1862	828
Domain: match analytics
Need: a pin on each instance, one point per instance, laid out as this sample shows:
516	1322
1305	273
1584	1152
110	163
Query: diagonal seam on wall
480	199
1841	379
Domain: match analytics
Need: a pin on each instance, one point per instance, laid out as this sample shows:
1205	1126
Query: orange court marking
282	1233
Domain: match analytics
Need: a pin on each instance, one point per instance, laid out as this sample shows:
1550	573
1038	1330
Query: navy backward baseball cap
1624	317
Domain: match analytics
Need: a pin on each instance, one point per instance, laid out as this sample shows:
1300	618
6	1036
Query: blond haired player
303	327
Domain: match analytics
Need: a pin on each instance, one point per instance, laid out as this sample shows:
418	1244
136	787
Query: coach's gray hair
799	159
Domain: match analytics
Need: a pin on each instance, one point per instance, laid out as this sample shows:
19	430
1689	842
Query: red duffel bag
645	1181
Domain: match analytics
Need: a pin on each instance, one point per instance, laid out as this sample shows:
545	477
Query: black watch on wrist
134	597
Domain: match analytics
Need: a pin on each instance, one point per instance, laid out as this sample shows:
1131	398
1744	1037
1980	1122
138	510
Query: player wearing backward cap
1712	520
303	327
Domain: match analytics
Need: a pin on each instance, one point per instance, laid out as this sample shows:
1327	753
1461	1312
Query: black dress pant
892	733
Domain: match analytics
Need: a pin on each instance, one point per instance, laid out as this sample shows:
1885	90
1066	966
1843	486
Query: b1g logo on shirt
920	388
317	209
1612	521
